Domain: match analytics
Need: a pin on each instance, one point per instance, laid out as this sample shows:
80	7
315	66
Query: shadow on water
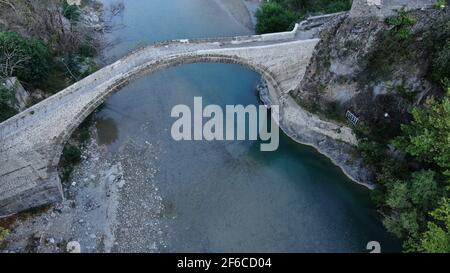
107	131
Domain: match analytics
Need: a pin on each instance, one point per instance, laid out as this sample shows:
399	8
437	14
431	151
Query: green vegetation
71	12
304	7
394	45
436	239
72	151
428	136
26	58
64	58
6	111
441	64
401	25
441	4
70	158
414	179
3	234
410	189
273	17
281	15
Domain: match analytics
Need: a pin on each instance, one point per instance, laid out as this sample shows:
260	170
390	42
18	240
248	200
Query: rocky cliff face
372	68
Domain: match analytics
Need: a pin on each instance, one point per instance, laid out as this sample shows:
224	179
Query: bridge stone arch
31	142
66	133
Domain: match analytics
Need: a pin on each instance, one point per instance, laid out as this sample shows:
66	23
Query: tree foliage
6	111
71	12
3	234
407	197
401	24
280	15
441	64
317	6
31	56
427	137
273	17
437	237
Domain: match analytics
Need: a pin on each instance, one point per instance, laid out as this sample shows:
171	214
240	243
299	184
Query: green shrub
71	12
402	24
372	152
6	111
317	6
35	56
436	239
330	6
441	4
427	137
3	234
71	155
441	63
273	17
70	158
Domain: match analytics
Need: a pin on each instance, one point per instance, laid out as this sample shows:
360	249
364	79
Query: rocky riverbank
336	142
113	205
102	211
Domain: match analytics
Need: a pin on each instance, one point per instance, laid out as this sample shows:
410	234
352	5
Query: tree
424	189
441	63
437	238
26	58
3	234
428	135
71	12
12	59
409	201
6	111
273	17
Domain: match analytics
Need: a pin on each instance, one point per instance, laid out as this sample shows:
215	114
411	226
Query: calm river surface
227	196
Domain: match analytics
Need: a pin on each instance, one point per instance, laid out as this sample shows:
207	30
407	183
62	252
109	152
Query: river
226	196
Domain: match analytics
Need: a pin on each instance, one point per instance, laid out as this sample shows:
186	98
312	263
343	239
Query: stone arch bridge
31	142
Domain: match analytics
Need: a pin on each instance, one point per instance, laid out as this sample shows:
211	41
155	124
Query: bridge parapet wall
31	142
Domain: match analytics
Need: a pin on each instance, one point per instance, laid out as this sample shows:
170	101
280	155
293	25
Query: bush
71	155
6	111
401	24
428	136
35	57
441	4
372	152
437	237
280	15
273	17
317	6
3	234
71	12
441	63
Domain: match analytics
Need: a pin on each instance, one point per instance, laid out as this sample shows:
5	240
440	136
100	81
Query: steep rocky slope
376	68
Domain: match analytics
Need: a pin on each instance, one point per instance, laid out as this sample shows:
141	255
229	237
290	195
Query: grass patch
70	158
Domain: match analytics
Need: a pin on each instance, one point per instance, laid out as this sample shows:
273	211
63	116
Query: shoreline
341	154
308	129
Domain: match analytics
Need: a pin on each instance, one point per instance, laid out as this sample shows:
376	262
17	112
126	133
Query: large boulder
21	96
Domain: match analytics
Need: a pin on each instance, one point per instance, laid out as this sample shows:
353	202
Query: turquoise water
228	196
